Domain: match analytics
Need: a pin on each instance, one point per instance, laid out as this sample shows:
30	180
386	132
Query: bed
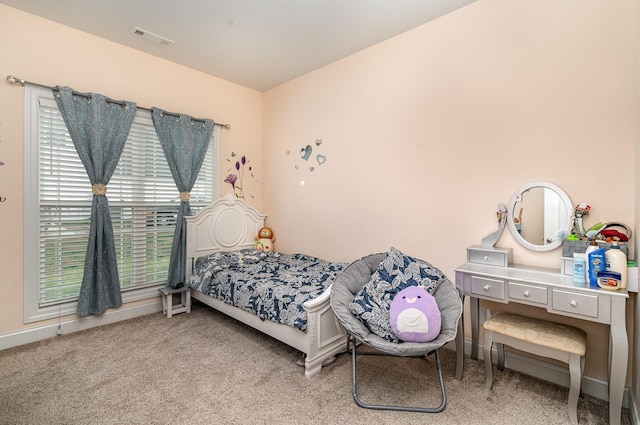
220	240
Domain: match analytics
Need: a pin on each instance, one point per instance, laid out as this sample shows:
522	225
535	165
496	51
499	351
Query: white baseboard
14	339
549	372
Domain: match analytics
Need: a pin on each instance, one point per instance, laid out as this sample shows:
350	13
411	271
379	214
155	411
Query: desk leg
460	349
475	316
618	359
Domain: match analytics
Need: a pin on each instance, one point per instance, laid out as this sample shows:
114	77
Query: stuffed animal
264	240
414	315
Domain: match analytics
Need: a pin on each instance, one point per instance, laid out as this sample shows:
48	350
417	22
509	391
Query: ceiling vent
154	38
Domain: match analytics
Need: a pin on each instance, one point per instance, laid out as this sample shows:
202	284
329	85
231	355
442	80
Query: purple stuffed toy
414	315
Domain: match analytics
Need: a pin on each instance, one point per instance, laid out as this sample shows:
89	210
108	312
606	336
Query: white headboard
227	224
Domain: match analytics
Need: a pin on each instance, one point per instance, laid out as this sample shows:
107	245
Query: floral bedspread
272	285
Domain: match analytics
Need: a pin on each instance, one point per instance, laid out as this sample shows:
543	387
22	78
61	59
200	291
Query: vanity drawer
483	287
575	303
489	256
528	293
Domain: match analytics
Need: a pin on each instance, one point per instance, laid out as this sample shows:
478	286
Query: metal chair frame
343	291
354	353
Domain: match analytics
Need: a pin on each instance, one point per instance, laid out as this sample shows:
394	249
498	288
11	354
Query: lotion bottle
617	262
579	268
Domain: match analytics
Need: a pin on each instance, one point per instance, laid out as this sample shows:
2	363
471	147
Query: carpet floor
206	368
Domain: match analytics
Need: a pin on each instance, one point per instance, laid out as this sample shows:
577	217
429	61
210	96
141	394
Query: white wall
48	53
426	133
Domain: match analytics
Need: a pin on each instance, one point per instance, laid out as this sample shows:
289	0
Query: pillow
226	259
206	267
395	273
414	315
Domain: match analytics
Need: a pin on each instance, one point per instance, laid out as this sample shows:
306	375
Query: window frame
33	311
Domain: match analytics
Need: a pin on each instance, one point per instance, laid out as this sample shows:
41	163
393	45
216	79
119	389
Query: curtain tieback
185	196
99	189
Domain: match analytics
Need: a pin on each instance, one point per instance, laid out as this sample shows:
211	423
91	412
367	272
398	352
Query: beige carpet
204	368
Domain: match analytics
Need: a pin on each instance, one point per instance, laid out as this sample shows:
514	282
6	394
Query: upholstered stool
539	337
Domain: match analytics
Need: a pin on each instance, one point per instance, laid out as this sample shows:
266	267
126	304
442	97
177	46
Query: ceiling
258	44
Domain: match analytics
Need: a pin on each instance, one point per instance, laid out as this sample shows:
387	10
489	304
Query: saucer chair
345	288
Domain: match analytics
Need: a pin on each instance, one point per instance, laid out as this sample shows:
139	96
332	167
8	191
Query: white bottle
617	262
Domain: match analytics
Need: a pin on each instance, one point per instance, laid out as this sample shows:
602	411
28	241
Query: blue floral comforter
272	285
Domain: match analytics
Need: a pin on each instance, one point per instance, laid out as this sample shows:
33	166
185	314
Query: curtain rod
15	80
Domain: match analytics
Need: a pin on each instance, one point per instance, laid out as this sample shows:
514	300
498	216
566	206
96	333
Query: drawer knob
573	303
527	294
485	288
485	258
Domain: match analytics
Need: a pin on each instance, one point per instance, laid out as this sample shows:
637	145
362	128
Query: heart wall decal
310	153
305	152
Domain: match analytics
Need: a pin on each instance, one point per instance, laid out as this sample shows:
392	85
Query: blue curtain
185	142
99	129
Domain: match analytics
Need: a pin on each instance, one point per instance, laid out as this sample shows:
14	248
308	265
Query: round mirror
537	215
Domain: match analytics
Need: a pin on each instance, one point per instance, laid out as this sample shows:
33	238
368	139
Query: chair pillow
396	272
414	315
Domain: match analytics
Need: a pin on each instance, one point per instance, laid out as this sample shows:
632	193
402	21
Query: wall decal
306	152
237	180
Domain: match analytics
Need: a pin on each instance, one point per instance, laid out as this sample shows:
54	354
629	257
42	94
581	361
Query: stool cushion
537	331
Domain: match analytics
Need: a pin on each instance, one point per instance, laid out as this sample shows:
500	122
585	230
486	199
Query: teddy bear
264	240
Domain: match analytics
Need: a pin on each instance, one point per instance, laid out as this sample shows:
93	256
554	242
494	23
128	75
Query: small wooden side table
168	307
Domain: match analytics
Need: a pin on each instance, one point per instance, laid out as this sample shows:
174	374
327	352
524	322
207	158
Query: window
143	201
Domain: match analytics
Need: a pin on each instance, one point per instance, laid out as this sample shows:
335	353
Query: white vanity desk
555	292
